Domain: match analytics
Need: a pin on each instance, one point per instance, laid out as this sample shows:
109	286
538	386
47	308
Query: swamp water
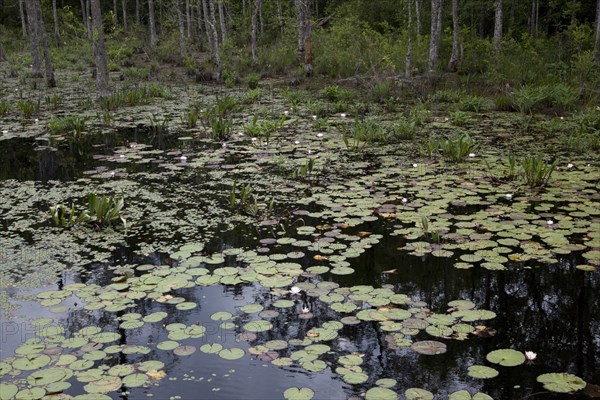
193	300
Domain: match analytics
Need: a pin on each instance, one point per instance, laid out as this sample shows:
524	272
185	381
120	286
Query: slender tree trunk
408	58
84	17
436	24
124	6
453	63
2	53
180	16
253	33
152	23
418	4
137	12
222	21
55	15
23	21
102	89
207	27
88	12
213	26
50	81
279	17
300	22
597	41
36	66
260	17
188	17
308	54
482	14
115	14
498	25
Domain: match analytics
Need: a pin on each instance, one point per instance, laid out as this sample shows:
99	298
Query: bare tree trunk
137	12
188	17
300	21
482	13
115	14
418	4
50	81
207	26
260	17
408	58
597	41
23	21
308	54
182	47
253	34
213	26
498	25
279	17
2	53
36	66
84	17
152	23
102	89
55	15
124	6
88	12
453	63
436	25
222	21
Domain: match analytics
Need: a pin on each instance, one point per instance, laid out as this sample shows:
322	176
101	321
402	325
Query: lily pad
429	347
418	394
295	393
506	357
482	372
380	393
561	382
233	353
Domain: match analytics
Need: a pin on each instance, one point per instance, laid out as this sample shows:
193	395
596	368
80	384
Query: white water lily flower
404	200
112	173
240	133
509	196
295	290
121	155
471	155
569	165
296	142
5	132
224	145
319	135
550	222
305	310
253	139
309	151
286	112
36	120
530	355
415	165
314	117
343	115
183	158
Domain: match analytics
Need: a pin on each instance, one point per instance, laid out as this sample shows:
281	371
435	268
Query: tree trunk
436	25
260	17
36	66
124	5
102	89
55	15
84	17
453	63
308	55
152	23
408	58
482	13
23	21
279	17
88	12
253	33
213	23
2	53
498	25
300	21
597	40
50	81
137	12
182	47
188	17
207	27
115	14
418	12
222	21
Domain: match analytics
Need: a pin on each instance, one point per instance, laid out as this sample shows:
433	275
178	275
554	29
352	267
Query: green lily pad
167	345
30	394
561	382
429	347
49	375
506	357
482	372
260	325
8	391
211	348
31	362
184	350
104	385
135	380
295	393
355	378
418	394
221	316
233	353
380	393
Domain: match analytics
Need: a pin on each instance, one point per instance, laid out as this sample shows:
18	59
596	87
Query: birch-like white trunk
418	4
36	66
213	29
222	21
207	28
408	57
436	25
188	17
152	23
102	89
498	25
23	20
253	33
300	23
55	16
453	63
180	18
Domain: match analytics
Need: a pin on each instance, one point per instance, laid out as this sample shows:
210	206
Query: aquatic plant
457	147
252	80
133	97
250	97
526	98
5	106
70	124
458	118
368	131
430	148
190	117
102	212
305	171
158	126
64	217
535	171
404	129
220	128
28	107
54	101
330	93
511	167
448	96
474	103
